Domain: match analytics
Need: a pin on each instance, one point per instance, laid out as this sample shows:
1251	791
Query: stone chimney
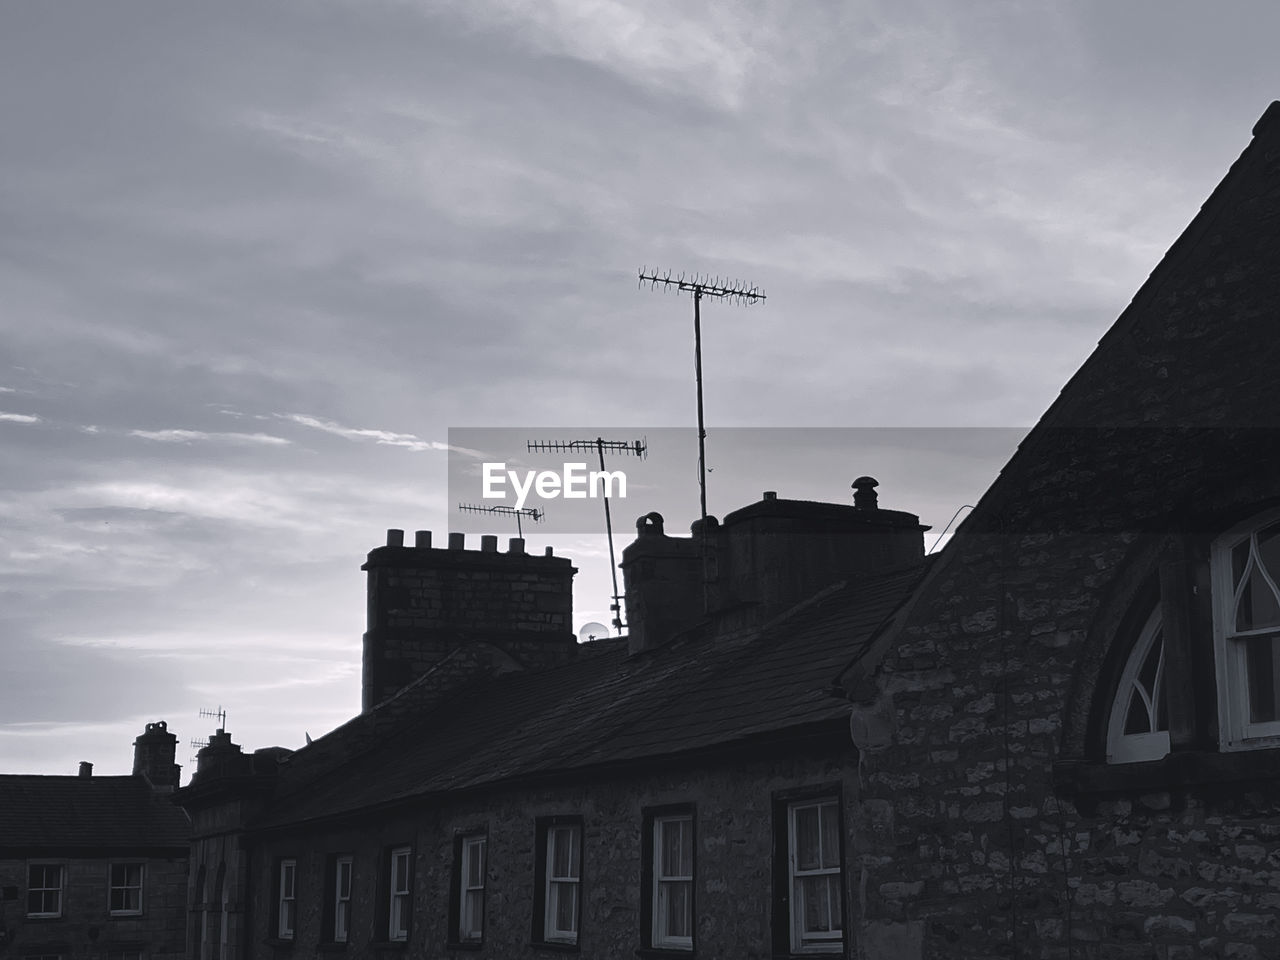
425	602
760	561
153	756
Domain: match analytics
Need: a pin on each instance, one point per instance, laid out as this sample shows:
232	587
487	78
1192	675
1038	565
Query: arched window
1139	725
1246	615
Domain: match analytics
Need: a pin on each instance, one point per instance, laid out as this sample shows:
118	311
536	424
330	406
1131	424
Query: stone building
95	867
1069	738
508	792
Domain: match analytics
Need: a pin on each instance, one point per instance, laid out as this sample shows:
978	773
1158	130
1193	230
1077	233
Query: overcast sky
256	259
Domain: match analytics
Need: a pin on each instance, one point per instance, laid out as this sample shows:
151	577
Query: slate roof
99	812
607	709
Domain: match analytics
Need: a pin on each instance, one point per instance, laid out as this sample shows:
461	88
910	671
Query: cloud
18	417
191	436
384	437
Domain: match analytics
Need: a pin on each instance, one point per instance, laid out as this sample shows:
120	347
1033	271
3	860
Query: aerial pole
600	445
700	287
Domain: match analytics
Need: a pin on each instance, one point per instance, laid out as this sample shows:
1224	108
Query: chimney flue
86	768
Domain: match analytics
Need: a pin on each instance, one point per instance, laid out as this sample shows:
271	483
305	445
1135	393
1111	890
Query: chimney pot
457	541
489	543
395	538
515	545
649	525
86	768
771	495
548	552
864	493
422	539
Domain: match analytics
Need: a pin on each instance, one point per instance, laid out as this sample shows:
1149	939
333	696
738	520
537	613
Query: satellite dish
592	631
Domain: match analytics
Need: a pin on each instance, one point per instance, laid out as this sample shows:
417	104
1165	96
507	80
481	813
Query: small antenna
635	448
532	513
220	714
700	286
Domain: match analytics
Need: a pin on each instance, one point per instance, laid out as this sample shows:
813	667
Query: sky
259	260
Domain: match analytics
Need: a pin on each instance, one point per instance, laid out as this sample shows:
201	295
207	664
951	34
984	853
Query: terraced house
95	867
1057	738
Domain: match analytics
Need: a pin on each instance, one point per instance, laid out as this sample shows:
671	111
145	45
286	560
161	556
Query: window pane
560	852
830	835
402	872
814	892
1269	550
344	878
675	908
833	898
1257	607
807	857
1262	661
566	895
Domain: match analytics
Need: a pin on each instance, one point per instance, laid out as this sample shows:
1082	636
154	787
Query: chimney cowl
864	493
650	525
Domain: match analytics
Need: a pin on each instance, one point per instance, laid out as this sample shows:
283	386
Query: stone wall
994	827
86	929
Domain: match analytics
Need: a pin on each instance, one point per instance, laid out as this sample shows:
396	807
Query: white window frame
1137	747
44	889
287	907
342	867
475	850
125	888
560	885
813	941
399	900
663	883
1237	732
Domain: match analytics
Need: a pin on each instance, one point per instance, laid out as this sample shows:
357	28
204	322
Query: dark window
470	867
667	891
337	898
44	889
558	881
808	915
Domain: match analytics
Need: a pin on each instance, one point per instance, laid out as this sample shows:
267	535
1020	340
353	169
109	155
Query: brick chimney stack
153	756
425	602
761	560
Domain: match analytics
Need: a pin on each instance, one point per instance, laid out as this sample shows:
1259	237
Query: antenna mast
532	513
636	448
701	286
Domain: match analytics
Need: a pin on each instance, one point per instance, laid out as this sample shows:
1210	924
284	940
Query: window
1246	606
287	912
467	888
668	879
1139	724
400	887
808	875
340	899
124	895
558	914
44	890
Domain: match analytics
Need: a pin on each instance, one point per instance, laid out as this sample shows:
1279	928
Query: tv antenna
532	513
635	448
199	743
701	286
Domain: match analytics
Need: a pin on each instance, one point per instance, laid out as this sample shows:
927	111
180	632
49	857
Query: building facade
95	868
685	790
